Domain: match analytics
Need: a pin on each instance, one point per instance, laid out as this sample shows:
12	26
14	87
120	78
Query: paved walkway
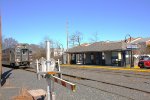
14	80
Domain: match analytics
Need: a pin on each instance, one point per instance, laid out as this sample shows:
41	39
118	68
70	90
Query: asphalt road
98	84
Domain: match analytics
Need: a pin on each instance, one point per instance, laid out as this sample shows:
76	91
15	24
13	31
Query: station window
92	57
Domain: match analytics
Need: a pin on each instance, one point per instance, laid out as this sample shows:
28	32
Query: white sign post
50	87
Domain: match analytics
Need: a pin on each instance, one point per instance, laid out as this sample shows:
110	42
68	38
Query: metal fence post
48	55
48	92
37	69
60	75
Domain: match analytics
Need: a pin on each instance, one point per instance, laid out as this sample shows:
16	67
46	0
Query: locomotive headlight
17	60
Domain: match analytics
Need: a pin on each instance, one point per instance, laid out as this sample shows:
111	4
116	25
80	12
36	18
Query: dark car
144	62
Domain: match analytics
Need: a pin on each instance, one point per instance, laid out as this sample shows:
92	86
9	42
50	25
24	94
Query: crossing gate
60	81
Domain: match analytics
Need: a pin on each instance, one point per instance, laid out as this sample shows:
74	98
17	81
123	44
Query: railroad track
82	78
89	86
125	74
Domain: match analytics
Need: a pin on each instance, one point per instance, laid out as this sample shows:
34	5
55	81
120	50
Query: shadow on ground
5	76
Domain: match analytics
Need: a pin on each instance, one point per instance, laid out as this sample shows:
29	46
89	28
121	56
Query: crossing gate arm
62	82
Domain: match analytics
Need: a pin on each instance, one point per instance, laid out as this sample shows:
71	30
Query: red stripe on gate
63	83
55	80
72	88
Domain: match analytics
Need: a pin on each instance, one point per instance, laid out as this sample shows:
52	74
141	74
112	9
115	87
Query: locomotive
18	55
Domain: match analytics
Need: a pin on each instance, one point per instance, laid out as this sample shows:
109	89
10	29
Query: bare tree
79	37
143	49
148	49
72	40
58	44
94	37
35	51
40	49
76	38
9	42
46	38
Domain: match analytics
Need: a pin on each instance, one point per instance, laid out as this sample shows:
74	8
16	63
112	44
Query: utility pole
67	34
0	48
68	58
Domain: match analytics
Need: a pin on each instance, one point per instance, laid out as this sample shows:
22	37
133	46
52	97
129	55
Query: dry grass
23	95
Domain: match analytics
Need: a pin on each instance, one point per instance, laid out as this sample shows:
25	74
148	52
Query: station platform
127	68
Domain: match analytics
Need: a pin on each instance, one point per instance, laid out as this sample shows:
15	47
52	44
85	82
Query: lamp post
126	40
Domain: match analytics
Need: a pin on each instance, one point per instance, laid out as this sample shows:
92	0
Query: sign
132	46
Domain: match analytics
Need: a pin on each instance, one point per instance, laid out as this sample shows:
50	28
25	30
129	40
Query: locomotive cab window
17	50
24	51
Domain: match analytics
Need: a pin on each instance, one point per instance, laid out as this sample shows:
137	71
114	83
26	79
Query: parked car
144	62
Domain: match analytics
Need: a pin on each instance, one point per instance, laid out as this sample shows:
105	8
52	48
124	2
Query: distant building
58	51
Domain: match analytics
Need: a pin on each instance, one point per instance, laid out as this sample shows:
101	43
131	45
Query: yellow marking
52	73
136	69
74	88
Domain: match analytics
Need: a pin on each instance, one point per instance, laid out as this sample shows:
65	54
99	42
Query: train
18	55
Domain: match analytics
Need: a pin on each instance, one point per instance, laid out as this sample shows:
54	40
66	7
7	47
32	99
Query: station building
109	53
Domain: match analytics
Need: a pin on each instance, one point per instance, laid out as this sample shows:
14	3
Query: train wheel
12	65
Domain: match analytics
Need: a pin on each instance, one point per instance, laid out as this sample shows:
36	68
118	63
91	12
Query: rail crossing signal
45	67
62	82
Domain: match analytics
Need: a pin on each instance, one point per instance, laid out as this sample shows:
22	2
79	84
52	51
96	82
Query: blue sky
30	21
